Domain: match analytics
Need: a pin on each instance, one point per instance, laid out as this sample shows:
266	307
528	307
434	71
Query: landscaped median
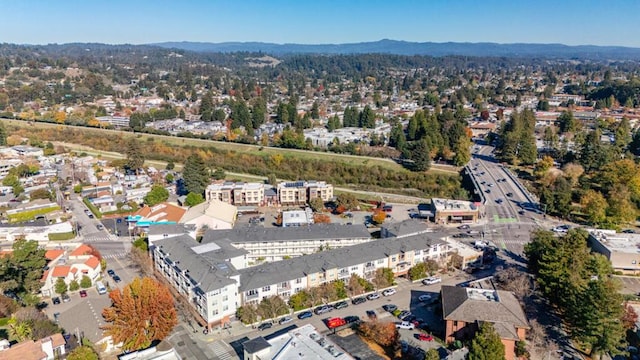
62	236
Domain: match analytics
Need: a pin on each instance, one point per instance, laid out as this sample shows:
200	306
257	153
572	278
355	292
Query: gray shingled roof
407	227
506	313
170	229
209	269
311	232
276	272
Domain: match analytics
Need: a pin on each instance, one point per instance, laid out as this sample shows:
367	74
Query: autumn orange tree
141	313
378	216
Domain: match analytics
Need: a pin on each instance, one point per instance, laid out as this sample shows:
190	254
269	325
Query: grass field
244	148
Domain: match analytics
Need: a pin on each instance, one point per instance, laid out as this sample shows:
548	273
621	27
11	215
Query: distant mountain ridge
396	47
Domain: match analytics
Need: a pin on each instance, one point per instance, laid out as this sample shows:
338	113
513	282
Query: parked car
111	273
285	320
56	317
373	296
405	325
55	300
561	229
340	305
432	280
389	307
305	315
265	326
509	194
351	319
65	297
116	278
358	300
83	293
464	227
389	292
335	322
372	314
404	315
323	309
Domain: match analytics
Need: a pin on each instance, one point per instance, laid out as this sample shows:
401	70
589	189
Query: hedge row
92	207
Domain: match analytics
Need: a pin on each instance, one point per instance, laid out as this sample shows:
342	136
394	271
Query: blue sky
572	22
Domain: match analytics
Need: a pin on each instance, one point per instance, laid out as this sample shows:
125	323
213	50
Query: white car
285	320
389	292
405	325
432	280
373	296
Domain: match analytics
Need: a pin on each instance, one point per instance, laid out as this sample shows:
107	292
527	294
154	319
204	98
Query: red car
425	337
83	293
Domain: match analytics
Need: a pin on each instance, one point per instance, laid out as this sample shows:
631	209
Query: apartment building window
393	258
418	252
252	292
380	262
299	281
354	268
225	298
214	312
225	308
266	288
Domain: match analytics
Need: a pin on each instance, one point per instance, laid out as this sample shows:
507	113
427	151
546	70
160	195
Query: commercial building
620	248
465	309
297	217
454	211
304	342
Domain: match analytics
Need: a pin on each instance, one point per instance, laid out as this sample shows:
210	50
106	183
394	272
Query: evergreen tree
486	345
135	156
157	195
567	122
420	156
367	118
195	174
315	111
3	134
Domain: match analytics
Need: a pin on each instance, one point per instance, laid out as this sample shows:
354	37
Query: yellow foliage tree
60	117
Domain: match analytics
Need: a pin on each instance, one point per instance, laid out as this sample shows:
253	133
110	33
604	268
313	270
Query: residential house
49	348
465	309
69	266
35	232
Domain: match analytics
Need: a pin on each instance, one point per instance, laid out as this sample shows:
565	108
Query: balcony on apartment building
344	274
284	288
251	297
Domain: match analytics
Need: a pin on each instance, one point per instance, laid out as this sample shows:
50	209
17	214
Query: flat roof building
622	250
448	211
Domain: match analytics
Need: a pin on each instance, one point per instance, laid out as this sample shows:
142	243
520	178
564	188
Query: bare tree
142	261
514	280
354	287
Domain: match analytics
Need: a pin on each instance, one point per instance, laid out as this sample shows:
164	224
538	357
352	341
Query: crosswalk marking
221	351
119	255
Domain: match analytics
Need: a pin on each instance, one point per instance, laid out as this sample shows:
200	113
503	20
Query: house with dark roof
464	309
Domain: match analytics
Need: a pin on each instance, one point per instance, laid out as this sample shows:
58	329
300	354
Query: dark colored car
358	300
83	293
340	305
351	319
305	315
116	278
372	314
390	307
111	273
55	300
265	326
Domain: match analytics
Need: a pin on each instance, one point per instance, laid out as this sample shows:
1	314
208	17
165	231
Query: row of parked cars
324	309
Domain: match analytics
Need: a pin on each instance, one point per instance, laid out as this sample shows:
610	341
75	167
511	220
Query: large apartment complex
215	278
278	243
257	194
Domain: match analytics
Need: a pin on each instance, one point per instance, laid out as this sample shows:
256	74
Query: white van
101	288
